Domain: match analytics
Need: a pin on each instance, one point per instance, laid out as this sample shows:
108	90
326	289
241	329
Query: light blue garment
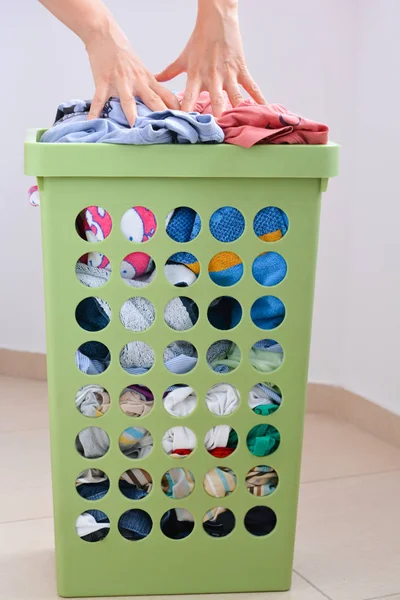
161	127
88	366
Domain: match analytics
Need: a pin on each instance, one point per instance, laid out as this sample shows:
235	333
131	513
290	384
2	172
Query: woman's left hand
214	59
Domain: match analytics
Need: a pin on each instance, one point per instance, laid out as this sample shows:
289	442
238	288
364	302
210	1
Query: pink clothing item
138	224
249	123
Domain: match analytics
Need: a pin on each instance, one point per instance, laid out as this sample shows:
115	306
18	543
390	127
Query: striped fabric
220	482
261	480
177	483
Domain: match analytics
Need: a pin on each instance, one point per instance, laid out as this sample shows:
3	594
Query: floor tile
347	545
23	404
26	469
334	448
27	561
27	570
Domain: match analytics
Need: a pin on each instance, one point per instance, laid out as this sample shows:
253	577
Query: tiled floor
348	537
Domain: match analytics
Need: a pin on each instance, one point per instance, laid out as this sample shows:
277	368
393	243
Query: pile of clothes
136	442
244	125
177	483
179	400
137	313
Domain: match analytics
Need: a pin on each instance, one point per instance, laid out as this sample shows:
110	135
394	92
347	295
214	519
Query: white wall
372	315
316	58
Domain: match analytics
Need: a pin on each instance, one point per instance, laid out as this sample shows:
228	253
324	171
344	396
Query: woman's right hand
117	71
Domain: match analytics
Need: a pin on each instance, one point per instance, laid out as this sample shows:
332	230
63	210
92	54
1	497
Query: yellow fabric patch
274	236
224	260
194	267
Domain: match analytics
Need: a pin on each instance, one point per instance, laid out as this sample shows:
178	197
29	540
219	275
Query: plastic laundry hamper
161	178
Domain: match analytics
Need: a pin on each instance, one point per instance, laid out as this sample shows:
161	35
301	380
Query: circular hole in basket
265	398
223	356
266	356
137	314
137	358
92	484
136	400
227	224
181	313
135	524
93	269
92	401
180	357
136	442
267	312
260	520
177	483
269	268
183	224
93	314
179	441
263	439
177	523
92	358
220	482
180	400
92	442
92	525
225	269
261	480
135	484
270	224
221	441
182	269
219	522
137	269
224	313
138	224
93	224
222	399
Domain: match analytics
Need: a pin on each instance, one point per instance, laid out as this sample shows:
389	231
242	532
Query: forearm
89	19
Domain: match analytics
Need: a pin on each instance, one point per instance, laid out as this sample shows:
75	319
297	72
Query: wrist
223	8
102	29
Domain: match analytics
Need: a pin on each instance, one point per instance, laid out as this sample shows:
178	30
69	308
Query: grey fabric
92	442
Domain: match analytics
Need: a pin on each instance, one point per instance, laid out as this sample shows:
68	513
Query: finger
99	99
128	105
191	94
234	94
169	99
217	97
151	99
170	72
251	87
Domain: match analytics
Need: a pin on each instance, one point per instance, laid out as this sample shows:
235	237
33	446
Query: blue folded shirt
161	127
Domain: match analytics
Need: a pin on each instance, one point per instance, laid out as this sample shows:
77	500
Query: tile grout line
396	470
314	586
383	597
25	520
13	431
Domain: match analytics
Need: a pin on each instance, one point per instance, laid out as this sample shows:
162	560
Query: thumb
173	70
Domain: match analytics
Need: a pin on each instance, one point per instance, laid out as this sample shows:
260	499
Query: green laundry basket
161	178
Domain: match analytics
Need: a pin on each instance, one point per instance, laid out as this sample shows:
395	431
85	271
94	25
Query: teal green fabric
263	440
265	409
232	439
